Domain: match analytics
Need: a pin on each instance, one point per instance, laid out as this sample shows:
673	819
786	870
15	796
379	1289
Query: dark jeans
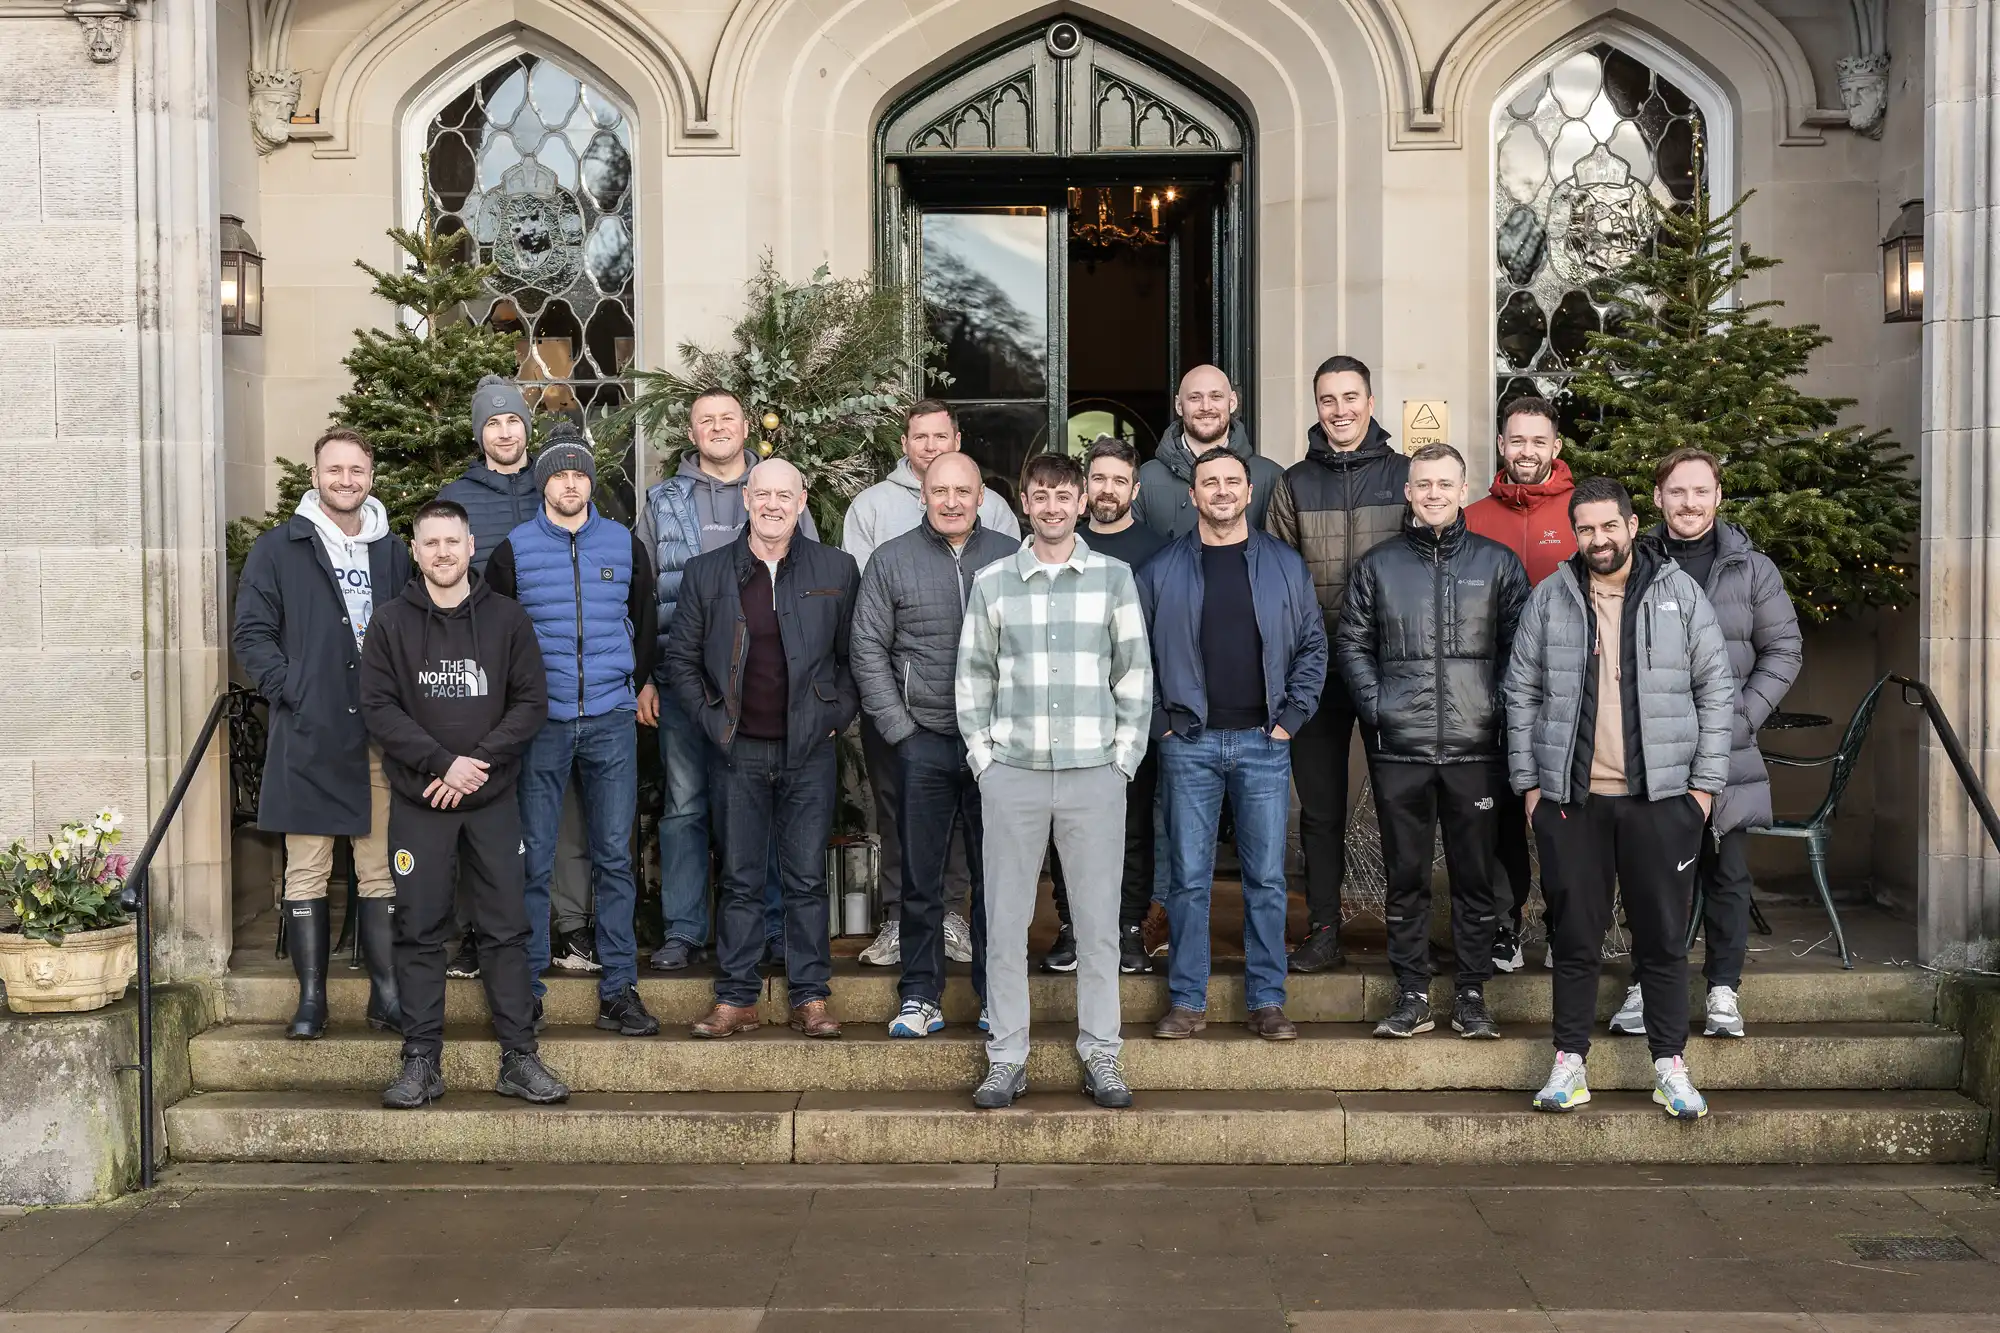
884	772
1135	890
430	847
604	753
1725	878
1320	754
684	760
1411	802
938	794
762	804
1648	850
1252	772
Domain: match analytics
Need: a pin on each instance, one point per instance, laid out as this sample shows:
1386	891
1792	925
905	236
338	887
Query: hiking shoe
625	1014
1002	1084
1061	956
421	1083
917	1018
1725	1018
1673	1090
523	1075
465	963
576	951
1507	949
1155	931
1566	1089
957	938
886	950
1631	1016
1132	951
1104	1083
1411	1015
673	956
1470	1018
1320	952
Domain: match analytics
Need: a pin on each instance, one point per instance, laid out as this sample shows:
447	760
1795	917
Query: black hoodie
441	682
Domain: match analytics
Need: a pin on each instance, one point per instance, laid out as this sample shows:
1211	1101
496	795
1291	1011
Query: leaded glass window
1581	152
537	166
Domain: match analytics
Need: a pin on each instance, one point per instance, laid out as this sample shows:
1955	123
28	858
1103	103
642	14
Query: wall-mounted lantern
1903	266
242	282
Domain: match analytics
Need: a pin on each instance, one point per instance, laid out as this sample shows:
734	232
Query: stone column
1960	649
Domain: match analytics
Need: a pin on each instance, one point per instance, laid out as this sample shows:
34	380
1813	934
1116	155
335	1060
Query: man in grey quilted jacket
1619	708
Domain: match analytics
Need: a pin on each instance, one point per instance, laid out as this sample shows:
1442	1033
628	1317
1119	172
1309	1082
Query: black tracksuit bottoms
1648	850
1411	800
426	849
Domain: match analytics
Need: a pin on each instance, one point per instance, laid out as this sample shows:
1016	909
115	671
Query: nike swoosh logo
1685	864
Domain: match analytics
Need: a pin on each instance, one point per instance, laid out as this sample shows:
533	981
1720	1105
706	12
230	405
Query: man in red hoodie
1528	511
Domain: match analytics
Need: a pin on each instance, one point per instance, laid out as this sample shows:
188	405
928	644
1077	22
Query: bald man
771	696
1206	410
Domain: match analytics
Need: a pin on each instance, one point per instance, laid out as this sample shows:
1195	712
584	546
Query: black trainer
1411	1015
1132	951
1321	952
1061	956
523	1075
421	1083
1471	1018
465	963
1507	948
626	1015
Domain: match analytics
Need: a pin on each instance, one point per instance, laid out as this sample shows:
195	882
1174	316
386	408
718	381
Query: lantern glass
240	280
1903	266
252	294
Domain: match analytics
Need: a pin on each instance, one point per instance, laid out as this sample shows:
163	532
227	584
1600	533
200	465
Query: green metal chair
1817	828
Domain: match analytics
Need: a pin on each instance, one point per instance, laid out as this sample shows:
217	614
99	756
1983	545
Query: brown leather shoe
725	1019
1271	1024
815	1020
1154	932
1179	1022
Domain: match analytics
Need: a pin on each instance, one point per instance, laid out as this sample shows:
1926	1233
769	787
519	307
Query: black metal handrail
1953	750
136	898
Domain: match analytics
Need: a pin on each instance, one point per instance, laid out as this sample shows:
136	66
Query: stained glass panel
1580	151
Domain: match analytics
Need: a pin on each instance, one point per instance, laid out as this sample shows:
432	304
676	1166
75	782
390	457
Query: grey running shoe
1631	1016
1104	1082
1725	1017
1567	1088
1002	1084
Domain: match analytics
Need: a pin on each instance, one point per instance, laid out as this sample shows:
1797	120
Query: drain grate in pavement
1911	1248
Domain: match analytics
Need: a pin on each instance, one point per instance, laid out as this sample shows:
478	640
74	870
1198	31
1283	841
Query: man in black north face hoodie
453	689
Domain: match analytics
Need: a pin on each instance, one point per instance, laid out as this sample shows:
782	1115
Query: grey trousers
1020	807
885	778
570	888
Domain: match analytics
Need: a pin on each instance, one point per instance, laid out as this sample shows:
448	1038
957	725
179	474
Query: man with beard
1336	503
452	688
1422	644
1111	474
1527	511
1206	410
1761	628
1619	708
1239	658
303	606
586	583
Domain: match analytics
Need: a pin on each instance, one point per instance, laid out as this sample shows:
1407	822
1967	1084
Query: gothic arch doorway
1072	207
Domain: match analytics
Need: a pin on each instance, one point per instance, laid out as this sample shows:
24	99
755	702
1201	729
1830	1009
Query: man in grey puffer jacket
1761	628
1619	703
904	646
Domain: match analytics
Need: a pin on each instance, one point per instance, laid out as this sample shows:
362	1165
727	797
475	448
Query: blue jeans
604	751
1254	772
938	793
684	758
763	804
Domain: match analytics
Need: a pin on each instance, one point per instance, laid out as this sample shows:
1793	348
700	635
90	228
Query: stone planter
89	970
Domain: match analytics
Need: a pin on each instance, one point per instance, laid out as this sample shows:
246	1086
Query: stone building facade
1430	186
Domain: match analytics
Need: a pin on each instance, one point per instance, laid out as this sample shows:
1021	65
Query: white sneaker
1725	1019
1673	1090
886	950
957	938
1567	1088
917	1018
1631	1016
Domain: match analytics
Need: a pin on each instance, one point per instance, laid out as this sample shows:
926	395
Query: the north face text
453	679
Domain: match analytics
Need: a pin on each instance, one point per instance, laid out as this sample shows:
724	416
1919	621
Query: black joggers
1411	802
426	848
1649	851
1321	753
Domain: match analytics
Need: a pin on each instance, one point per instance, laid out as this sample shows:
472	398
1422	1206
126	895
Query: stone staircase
1839	1068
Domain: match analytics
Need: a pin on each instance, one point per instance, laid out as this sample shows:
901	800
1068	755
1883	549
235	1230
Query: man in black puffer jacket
1423	643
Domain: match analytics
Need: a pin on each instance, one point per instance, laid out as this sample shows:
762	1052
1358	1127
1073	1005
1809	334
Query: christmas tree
1683	363
823	369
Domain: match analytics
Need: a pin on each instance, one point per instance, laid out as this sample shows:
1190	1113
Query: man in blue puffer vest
586	583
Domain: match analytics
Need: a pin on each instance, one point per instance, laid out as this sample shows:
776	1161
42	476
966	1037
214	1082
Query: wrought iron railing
1919	695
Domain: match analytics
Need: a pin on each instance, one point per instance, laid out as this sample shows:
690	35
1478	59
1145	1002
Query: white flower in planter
107	820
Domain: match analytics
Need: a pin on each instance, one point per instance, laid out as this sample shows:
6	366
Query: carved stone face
1864	91
274	96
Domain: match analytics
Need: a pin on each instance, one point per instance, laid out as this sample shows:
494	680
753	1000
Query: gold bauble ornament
764	448
770	421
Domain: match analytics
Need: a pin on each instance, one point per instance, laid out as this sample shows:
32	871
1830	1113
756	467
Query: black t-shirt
1135	545
1232	652
766	679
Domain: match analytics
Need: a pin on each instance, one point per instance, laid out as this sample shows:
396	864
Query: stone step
1327	1056
1440	1128
1357	993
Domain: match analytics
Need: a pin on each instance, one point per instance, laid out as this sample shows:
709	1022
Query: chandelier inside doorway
1109	218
